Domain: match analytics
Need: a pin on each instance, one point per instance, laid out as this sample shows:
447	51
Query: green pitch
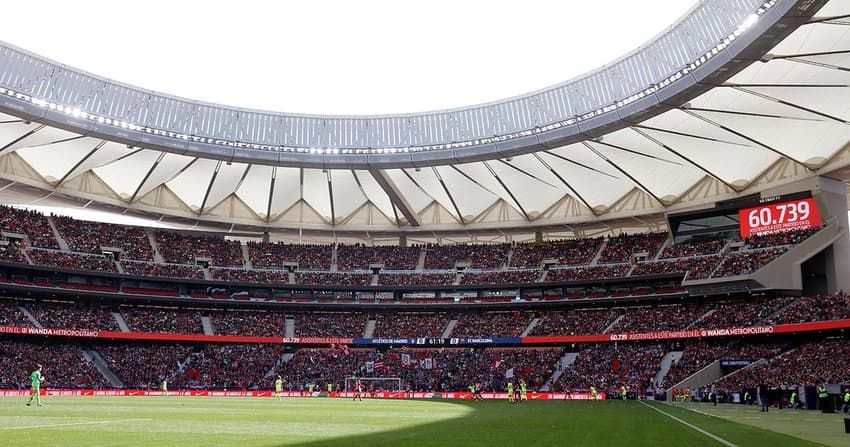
246	422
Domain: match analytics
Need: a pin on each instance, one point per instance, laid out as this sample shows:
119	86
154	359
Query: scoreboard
747	216
779	215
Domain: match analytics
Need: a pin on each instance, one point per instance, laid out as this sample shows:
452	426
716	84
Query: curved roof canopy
738	96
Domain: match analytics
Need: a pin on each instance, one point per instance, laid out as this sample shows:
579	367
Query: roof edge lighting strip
77	113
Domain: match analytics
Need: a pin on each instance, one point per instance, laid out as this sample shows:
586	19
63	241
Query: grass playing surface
245	422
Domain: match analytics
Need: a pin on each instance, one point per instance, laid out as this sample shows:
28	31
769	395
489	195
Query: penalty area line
70	424
683	422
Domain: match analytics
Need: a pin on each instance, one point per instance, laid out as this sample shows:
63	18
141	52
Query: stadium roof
736	97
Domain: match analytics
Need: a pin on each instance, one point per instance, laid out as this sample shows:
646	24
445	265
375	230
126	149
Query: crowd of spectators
588	273
697	267
250	276
662	318
12	315
621	248
693	248
742	312
333	278
501	277
250	323
73	261
180	248
144	366
778	239
607	366
162	270
447	369
359	257
492	324
444	257
746	262
700	353
574	322
274	255
172	321
73	316
32	224
567	252
815	308
329	324
229	366
91	237
64	365
12	253
416	279
410	325
807	365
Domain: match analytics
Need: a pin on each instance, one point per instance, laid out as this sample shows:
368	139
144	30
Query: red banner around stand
269	393
83	333
696	333
660	335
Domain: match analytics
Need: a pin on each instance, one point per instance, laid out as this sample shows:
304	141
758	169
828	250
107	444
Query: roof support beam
395	195
624	172
637	129
691	111
566	183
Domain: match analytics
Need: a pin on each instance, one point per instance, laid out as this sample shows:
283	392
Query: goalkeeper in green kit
35	380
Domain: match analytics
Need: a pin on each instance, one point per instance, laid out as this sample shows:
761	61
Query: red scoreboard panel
779	216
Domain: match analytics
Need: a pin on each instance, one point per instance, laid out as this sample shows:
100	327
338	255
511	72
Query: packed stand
90	237
778	239
662	318
72	261
173	321
229	366
815	308
699	354
502	277
416	279
807	365
274	255
607	366
574	322
588	273
144	366
30	223
333	279
570	252
750	312
621	248
410	325
12	315
695	267
184	271
250	323
73	316
359	257
12	253
250	276
447	369
691	248
444	257
746	262
64	366
179	248
322	324
492	324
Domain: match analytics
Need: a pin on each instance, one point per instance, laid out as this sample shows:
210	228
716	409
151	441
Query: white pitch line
75	423
715	437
